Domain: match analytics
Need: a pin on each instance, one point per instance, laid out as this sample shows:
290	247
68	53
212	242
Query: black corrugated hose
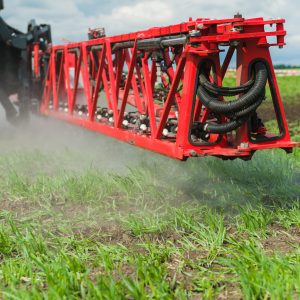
237	111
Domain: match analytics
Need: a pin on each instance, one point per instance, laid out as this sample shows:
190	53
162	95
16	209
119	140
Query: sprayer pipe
152	43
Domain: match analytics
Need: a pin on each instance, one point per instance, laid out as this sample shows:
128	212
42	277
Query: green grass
215	229
264	276
160	229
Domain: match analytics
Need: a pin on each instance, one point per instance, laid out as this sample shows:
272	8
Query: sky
70	19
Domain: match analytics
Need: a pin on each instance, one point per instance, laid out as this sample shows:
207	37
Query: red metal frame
98	68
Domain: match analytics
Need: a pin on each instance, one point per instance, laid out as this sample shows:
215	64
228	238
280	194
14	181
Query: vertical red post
36	61
188	94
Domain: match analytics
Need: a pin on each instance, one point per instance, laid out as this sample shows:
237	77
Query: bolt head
193	153
195	33
244	145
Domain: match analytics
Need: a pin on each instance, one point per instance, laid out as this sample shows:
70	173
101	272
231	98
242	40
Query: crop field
87	217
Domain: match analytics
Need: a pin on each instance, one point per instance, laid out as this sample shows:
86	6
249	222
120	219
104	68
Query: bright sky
70	19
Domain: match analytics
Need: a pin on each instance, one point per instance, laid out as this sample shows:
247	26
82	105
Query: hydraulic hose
261	76
225	91
225	127
238	111
248	110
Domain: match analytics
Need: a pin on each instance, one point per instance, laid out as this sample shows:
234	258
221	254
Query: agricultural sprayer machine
161	88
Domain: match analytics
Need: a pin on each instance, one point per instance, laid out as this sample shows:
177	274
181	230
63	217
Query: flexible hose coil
225	91
238	111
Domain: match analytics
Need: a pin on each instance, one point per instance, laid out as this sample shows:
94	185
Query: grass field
79	220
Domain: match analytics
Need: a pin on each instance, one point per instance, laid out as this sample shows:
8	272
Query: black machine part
15	65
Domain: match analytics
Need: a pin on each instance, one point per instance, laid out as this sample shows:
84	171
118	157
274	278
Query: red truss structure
161	88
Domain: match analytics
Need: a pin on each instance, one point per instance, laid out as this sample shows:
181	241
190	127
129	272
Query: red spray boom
161	89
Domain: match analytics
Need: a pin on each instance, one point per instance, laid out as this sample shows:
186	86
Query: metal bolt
195	33
143	117
193	153
234	43
244	145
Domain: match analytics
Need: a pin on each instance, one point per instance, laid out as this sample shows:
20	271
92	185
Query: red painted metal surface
36	61
141	87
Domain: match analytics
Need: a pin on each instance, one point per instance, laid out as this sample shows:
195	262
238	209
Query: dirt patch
18	207
292	111
282	241
114	234
166	235
231	291
124	270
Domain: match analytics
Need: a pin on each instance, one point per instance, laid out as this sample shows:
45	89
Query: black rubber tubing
216	90
225	127
239	118
248	110
261	77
